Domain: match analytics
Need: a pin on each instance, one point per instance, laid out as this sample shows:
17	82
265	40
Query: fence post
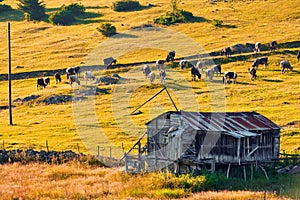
109	152
47	146
98	151
78	148
3	145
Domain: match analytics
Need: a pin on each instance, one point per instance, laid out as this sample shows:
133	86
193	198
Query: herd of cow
228	76
196	70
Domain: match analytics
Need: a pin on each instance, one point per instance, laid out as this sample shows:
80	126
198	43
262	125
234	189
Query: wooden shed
190	139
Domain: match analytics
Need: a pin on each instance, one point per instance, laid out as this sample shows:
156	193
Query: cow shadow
272	80
124	35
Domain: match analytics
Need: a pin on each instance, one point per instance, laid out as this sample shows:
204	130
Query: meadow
103	119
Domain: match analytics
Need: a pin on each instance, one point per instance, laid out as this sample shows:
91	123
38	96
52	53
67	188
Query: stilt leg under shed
228	170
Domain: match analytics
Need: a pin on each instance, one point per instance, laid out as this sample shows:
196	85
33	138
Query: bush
75	8
32	9
62	17
4	7
126	5
179	16
107	29
217	22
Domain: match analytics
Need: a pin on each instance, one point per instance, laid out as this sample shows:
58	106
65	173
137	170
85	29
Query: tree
107	29
32	9
174	5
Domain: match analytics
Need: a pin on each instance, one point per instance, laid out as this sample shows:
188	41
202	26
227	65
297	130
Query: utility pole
9	77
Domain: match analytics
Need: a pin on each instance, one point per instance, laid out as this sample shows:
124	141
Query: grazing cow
162	76
183	64
285	65
209	73
226	52
42	82
195	72
77	70
70	71
57	77
200	65
252	72
151	77
257	47
298	55
88	75
73	79
229	76
160	64
273	45
146	70
216	69
171	56
260	61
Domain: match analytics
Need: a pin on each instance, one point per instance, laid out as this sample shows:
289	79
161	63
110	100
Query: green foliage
4	7
217	22
67	14
107	29
75	8
62	17
32	9
126	5
179	16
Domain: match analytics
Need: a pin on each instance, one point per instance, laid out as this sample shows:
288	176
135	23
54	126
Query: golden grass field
103	120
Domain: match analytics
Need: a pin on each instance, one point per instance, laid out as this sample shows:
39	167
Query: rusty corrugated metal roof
228	121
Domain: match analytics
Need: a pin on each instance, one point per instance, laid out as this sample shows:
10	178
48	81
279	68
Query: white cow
151	77
160	64
73	79
162	76
88	75
183	64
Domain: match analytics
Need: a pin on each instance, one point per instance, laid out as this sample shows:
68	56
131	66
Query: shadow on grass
293	44
124	35
198	19
272	80
11	15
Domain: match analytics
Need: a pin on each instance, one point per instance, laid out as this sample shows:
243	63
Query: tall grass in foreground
73	181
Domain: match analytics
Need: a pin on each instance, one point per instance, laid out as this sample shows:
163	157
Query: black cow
57	77
284	65
160	64
273	45
228	76
42	82
252	72
298	55
260	61
73	71
226	52
195	72
171	56
77	70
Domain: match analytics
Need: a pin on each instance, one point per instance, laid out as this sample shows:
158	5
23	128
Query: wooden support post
110	152
245	175
264	172
251	172
98	151
238	150
47	146
9	78
78	148
228	170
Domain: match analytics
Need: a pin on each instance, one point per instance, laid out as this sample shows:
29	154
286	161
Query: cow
257	47
273	45
160	64
88	75
151	77
252	72
200	65
229	76
171	56
57	77
42	82
195	72
226	52
146	70
183	64
209	73
77	70
70	71
73	79
162	76
285	65
260	61
298	55
216	69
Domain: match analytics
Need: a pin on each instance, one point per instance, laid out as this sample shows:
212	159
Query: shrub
32	9
126	5
4	7
75	8
178	16
217	22
107	29
62	17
